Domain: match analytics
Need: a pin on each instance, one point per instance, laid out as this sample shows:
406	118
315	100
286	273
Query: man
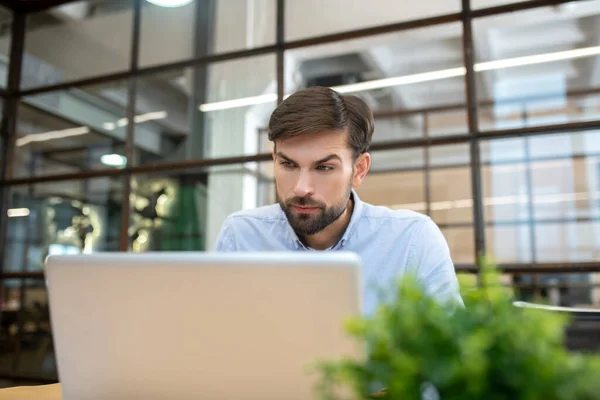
321	141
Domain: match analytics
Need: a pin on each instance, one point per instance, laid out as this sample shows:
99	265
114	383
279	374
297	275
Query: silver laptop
199	325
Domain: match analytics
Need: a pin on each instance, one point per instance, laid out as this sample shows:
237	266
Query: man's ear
361	167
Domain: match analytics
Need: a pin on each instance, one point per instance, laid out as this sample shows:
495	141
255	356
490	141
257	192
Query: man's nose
304	186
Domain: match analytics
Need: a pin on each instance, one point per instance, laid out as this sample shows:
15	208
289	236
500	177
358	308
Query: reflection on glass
538	67
178	121
564	242
404	77
462	244
508	243
72	130
67	217
302	22
184	211
5	40
450	184
77	40
556	177
231	24
395	180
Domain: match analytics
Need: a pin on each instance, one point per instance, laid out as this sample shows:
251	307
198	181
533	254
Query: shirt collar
350	229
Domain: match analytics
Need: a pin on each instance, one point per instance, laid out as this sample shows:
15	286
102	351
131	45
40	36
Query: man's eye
286	164
324	168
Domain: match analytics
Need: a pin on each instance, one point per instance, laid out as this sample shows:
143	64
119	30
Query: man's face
314	175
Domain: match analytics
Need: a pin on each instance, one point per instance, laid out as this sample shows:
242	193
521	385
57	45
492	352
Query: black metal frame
13	95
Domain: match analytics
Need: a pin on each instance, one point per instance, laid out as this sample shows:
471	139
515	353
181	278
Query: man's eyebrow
322	160
280	154
329	158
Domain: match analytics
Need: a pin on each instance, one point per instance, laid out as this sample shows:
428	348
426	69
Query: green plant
419	349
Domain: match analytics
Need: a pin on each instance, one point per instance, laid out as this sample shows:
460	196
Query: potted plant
490	349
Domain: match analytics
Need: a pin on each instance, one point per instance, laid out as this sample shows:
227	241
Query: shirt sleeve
225	240
432	265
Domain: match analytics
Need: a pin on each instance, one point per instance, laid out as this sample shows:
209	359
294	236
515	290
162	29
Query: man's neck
333	233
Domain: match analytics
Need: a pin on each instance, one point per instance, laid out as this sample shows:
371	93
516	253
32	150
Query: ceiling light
401	80
150	116
170	3
18	212
113	160
538	59
42	137
138	119
417	78
246	101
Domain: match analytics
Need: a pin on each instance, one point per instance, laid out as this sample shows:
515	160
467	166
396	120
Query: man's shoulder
270	213
385	213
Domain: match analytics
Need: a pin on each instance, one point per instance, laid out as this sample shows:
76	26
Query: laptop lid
199	325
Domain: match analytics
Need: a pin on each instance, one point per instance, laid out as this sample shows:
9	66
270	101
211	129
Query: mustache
303	202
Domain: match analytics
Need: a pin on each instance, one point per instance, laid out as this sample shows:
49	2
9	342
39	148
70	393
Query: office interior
129	126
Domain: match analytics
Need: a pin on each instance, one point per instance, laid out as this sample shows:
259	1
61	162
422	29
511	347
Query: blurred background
138	125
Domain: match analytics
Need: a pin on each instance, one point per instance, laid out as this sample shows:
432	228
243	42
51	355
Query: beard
310	224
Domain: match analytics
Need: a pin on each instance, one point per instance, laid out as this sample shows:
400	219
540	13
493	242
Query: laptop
199	325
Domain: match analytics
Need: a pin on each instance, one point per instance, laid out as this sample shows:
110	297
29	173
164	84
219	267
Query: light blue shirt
390	243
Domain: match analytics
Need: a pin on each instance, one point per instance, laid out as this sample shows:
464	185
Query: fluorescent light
138	119
537	59
246	101
42	137
150	116
401	80
417	78
18	212
113	160
170	3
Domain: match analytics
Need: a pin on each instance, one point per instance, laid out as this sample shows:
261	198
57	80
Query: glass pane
570	290
196	29
566	180
396	180
505	196
77	40
26	337
508	244
536	67
72	130
184	210
301	20
595	294
565	188
402	76
571	241
491	3
451	203
462	244
66	217
177	121
5	40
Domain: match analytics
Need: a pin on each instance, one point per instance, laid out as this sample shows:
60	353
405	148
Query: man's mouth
305	209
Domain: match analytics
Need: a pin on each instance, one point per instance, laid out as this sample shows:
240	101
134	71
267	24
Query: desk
49	392
44	392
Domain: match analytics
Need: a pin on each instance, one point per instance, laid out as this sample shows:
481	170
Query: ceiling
539	31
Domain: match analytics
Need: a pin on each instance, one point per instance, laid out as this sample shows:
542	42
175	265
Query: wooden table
44	392
47	392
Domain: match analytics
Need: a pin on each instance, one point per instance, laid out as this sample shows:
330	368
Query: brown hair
318	109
